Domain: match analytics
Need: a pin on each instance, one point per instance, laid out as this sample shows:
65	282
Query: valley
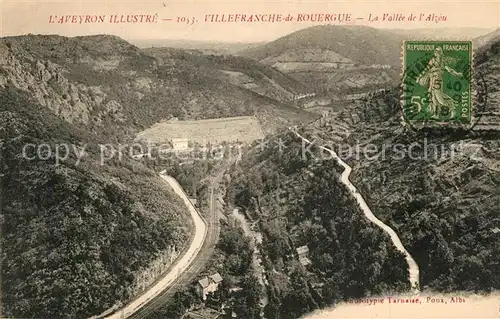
243	203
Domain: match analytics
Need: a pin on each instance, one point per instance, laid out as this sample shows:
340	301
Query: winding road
181	264
412	265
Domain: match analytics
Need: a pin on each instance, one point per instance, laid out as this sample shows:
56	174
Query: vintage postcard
249	159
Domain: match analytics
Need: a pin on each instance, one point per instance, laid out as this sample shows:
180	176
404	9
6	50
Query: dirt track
412	265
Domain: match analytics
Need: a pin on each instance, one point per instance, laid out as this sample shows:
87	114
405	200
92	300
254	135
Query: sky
22	17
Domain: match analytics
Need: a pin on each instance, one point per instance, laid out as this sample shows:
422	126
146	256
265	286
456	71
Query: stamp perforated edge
424	124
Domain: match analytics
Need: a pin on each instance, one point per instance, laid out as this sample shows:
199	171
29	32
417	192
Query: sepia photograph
249	159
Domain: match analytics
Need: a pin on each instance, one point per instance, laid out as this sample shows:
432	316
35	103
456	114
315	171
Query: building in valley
208	284
303	252
180	144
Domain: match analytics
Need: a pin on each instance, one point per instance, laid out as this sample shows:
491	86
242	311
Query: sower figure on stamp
432	76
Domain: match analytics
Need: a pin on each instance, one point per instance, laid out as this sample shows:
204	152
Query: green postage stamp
437	79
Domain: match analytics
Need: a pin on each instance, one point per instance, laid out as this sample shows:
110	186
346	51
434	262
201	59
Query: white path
412	265
180	266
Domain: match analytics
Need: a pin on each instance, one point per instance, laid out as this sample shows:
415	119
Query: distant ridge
361	44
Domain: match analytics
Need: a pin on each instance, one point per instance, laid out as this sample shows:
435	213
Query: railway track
149	310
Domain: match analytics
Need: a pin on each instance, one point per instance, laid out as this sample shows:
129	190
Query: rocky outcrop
47	83
113	89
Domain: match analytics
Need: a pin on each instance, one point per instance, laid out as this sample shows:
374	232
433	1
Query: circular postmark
442	91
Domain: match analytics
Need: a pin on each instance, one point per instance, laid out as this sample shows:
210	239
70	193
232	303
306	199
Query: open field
230	129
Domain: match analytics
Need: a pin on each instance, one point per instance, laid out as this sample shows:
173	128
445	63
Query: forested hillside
443	205
439	189
255	76
300	201
116	90
75	235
